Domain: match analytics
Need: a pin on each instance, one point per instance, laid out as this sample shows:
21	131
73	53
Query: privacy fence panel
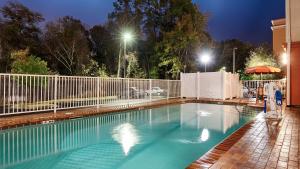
22	93
210	85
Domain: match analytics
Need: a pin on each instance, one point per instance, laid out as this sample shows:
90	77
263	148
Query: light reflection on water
125	140
204	135
126	135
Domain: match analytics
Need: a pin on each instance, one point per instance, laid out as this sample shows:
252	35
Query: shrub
23	63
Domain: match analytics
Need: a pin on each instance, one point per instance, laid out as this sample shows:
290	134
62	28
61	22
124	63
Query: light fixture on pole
284	58
233	59
127	37
205	58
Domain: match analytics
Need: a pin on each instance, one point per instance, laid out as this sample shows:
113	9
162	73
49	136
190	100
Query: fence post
198	85
98	90
181	82
168	92
128	94
150	89
55	92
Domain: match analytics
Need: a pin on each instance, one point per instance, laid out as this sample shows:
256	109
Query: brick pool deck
258	145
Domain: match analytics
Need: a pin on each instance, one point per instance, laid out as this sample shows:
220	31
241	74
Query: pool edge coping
93	111
211	157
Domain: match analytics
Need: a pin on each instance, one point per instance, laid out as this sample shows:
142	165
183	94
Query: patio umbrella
262	70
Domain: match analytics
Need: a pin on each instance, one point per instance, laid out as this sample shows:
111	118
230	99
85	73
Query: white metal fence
250	86
23	93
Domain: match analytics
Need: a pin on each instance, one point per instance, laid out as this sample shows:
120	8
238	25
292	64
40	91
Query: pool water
168	137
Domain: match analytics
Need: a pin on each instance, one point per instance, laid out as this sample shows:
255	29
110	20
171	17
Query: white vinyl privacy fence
22	93
212	85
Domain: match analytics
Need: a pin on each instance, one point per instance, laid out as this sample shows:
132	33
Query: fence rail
23	93
252	85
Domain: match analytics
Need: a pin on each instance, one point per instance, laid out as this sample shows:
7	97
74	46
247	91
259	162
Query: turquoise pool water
168	137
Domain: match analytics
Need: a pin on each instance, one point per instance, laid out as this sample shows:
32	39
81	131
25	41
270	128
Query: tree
67	42
18	30
23	63
93	69
104	47
184	34
261	56
133	68
126	16
224	55
170	28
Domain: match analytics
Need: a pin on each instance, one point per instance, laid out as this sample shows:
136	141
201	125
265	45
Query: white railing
252	85
23	93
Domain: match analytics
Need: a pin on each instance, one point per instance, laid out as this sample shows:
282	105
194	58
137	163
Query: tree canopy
224	55
168	37
68	45
261	56
18	30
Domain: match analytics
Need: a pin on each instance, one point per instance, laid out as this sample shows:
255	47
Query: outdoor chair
274	98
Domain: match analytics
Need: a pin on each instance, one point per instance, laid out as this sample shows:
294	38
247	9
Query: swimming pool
168	137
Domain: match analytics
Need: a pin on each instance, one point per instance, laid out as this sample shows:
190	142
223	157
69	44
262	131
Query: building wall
295	52
279	34
278	41
295	20
295	70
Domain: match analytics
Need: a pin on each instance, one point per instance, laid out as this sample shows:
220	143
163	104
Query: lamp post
127	36
233	60
205	58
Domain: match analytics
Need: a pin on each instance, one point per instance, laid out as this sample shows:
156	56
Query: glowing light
205	58
204	135
127	36
284	58
126	135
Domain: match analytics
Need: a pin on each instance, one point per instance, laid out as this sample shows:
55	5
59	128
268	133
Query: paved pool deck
258	145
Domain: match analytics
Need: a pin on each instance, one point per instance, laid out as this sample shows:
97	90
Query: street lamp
233	60
205	58
127	37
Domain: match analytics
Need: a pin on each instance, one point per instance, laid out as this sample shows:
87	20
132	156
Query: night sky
247	20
